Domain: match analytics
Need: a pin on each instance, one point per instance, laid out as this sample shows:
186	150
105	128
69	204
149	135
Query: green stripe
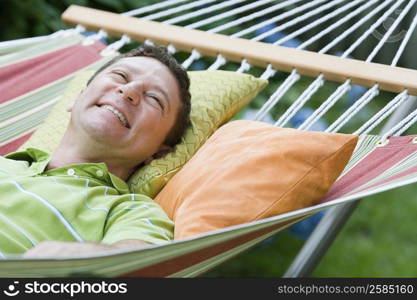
365	145
118	264
43	48
219	259
32	100
13	130
41	95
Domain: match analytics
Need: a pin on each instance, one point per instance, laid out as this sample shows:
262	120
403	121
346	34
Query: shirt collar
38	161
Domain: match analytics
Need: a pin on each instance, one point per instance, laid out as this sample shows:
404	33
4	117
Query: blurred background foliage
380	228
27	18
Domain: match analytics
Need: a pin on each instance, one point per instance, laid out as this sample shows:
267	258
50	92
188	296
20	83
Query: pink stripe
412	170
23	77
378	161
13	145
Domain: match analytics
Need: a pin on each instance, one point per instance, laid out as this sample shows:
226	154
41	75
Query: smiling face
129	108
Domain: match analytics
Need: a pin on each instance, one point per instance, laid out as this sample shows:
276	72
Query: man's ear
163	150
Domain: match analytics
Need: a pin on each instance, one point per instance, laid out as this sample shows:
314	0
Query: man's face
130	107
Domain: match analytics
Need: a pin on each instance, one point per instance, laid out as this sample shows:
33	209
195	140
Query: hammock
319	24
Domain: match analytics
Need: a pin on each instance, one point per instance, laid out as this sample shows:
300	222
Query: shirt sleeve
138	218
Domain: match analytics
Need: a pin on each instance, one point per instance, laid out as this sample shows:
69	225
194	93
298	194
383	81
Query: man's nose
131	92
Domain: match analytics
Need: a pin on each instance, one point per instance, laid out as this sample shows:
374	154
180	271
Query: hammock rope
346	18
401	126
319	81
152	7
277	95
250	17
404	41
351	111
202	11
234	12
299	103
306	16
326	105
177	9
308	92
279	18
382	114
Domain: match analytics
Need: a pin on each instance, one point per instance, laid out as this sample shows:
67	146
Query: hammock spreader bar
393	79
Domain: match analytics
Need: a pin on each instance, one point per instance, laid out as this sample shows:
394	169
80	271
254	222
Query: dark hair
160	53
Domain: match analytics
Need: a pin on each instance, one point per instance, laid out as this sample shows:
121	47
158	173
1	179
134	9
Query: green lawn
379	240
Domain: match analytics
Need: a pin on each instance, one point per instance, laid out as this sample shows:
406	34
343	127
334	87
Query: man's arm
65	249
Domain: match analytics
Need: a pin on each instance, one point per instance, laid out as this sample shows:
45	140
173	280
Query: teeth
117	113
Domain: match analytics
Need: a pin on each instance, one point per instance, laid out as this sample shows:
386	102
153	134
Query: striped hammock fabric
32	80
394	165
379	163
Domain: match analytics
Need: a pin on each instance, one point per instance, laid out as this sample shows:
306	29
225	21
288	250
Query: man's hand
65	249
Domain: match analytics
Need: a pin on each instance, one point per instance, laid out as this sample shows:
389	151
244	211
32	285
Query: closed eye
120	74
156	99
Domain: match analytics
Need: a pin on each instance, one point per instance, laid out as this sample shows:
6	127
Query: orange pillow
250	170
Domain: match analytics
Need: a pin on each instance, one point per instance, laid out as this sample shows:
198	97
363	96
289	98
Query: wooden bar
393	79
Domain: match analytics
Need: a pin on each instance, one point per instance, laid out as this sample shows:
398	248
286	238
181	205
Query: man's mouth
118	114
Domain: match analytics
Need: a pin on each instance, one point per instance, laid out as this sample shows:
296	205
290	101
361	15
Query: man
76	201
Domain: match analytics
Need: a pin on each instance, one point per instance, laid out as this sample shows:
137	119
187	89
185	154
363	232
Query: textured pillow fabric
216	97
251	170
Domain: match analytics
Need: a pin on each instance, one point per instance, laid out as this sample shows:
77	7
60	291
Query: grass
379	240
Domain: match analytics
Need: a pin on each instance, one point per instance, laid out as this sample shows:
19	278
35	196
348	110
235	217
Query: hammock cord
333	98
313	87
269	72
306	16
282	89
367	97
149	8
220	61
372	28
318	113
253	16
203	11
342	120
112	48
305	96
277	18
351	111
194	56
390	30
176	9
227	14
404	41
309	10
325	107
197	55
26	41
355	26
331	27
244	66
382	114
401	126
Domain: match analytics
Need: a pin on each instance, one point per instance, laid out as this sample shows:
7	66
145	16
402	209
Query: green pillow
216	97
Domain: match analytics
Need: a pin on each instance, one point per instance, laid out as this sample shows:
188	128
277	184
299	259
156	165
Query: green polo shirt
79	202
